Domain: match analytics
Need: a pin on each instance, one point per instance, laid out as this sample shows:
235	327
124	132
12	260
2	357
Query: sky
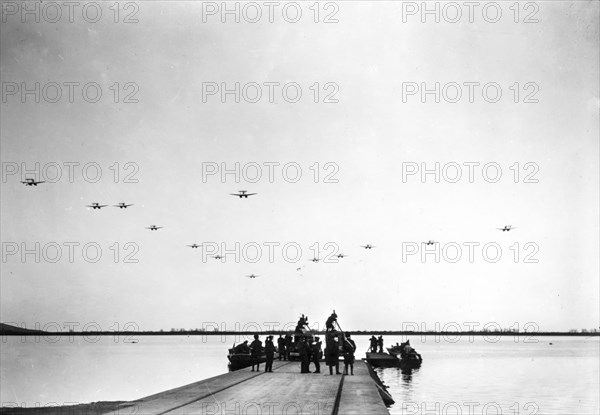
165	130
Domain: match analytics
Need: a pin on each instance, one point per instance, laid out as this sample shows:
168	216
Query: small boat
382	359
240	360
409	358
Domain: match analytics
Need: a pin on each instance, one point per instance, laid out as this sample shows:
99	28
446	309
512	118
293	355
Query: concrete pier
284	391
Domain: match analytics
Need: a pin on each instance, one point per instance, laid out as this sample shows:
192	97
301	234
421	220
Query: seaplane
153	227
367	246
96	205
194	246
123	205
506	228
31	182
251	276
242	193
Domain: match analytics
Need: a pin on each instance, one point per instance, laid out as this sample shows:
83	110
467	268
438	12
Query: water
471	376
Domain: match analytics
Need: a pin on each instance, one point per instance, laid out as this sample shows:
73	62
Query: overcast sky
370	135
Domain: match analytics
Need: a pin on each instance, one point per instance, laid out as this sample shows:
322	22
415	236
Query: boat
409	358
382	359
240	360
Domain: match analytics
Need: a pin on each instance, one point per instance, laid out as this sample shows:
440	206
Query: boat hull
382	360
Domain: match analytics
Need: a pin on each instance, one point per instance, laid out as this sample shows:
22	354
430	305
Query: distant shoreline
276	332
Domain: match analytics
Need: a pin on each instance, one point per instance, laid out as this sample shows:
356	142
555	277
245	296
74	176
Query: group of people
376	343
307	347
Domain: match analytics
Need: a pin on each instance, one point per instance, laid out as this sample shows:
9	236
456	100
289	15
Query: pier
283	391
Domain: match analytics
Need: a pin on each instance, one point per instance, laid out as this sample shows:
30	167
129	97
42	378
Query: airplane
315	260
251	276
341	256
96	205
430	242
298	269
153	227
218	257
31	182
367	246
242	193
506	228
123	205
194	246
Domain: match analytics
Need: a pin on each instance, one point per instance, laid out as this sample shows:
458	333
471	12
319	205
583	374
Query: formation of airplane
32	182
153	227
243	193
96	205
123	205
506	228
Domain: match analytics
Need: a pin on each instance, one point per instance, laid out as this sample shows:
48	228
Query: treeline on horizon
8	330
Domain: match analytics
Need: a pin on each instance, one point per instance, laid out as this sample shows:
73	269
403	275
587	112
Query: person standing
255	352
303	350
281	347
270	353
288	346
315	354
373	341
349	349
332	353
380	344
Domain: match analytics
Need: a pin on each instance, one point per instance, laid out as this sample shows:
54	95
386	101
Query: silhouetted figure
270	354
289	345
255	351
329	324
380	344
315	352
349	349
281	347
332	353
373	341
302	323
304	351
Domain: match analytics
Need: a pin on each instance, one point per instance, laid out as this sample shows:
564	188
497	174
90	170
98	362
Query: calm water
466	377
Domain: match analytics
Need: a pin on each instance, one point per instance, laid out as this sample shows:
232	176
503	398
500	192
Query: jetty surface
283	391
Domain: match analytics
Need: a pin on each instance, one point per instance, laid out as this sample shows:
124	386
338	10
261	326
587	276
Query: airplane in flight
315	260
218	257
194	246
123	205
153	227
367	246
430	242
96	205
341	255
31	182
242	193
251	276
506	228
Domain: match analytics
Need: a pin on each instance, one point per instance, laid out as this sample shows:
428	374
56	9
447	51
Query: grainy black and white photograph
305	207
